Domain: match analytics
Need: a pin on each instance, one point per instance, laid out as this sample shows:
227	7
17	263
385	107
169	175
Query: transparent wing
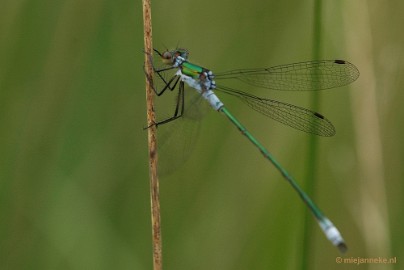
177	139
311	75
288	114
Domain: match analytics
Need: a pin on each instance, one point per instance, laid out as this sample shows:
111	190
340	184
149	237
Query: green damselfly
311	75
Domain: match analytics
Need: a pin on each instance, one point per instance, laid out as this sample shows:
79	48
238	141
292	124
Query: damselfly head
168	57
181	52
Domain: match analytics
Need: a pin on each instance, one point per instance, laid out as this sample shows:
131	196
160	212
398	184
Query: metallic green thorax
192	70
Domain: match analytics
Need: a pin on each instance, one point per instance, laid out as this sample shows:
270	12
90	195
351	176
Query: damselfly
311	75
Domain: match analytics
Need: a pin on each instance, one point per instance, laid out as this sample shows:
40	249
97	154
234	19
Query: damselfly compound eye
167	58
167	55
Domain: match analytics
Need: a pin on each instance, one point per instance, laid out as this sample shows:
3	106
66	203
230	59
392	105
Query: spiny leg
179	108
167	84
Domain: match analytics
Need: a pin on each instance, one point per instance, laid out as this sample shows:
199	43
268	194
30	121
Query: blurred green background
74	188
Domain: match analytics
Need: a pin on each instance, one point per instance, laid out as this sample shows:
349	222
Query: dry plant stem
154	183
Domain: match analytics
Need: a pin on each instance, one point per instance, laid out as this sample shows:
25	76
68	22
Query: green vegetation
74	190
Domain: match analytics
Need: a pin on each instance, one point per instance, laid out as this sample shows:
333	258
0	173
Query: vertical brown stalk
154	183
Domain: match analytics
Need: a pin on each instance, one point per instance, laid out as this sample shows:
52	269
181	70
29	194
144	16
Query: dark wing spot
318	115
340	62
